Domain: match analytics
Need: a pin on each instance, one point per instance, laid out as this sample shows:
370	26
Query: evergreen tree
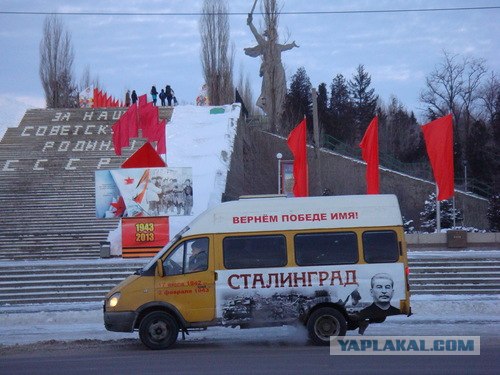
324	116
428	215
495	126
408	225
399	132
298	101
363	99
479	154
342	110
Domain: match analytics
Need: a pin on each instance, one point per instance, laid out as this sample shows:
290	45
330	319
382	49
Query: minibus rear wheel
324	323
158	330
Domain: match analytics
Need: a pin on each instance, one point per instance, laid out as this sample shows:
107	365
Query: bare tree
474	71
245	89
455	86
56	65
443	89
490	92
217	56
87	81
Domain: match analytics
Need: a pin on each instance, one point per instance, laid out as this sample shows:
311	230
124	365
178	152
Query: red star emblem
120	207
128	180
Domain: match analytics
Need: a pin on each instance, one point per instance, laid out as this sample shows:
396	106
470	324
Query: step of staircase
78	281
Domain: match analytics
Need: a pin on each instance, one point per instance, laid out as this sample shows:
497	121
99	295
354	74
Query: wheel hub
158	330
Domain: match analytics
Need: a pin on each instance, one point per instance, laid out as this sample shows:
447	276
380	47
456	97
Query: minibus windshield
162	251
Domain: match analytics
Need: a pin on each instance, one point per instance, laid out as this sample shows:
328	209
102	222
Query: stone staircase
68	281
469	275
61	281
47	167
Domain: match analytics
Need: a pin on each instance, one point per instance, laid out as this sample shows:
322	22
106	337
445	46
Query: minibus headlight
113	300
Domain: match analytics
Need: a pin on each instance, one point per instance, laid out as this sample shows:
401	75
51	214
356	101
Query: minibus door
188	281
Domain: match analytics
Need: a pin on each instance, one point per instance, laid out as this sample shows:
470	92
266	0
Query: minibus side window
315	249
254	251
380	246
188	257
174	263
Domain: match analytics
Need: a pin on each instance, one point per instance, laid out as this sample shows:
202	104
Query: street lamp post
279	156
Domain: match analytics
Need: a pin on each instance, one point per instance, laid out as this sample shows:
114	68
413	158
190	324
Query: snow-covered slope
203	141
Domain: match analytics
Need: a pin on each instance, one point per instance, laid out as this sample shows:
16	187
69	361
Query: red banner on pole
297	144
438	136
369	151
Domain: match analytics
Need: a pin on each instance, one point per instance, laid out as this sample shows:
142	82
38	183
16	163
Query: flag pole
438	211
314	95
454	213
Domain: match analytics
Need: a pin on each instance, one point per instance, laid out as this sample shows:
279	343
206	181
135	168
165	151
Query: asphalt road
259	356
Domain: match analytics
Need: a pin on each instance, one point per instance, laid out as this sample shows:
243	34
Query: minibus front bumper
119	321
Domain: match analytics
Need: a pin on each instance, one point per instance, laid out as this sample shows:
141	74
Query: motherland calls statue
272	72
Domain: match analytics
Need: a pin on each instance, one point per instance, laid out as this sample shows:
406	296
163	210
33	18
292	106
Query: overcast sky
398	49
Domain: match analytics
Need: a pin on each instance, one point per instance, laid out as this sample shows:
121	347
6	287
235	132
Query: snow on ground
84	321
460	314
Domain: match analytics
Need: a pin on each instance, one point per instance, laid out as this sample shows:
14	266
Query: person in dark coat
154	95
127	98
198	260
163	96
170	94
134	97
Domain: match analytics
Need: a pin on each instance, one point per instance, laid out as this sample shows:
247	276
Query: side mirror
159	268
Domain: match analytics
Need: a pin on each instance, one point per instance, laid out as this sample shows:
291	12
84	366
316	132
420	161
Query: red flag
116	137
99	98
148	120
132	121
94	105
161	146
438	135
143	100
125	128
123	123
297	144
369	152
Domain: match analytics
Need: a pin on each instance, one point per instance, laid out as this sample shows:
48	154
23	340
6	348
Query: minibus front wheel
158	330
324	323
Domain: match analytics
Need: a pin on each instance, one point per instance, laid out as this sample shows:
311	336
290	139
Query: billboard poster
86	98
138	192
287	179
267	294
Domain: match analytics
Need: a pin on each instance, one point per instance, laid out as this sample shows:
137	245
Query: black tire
324	323
158	330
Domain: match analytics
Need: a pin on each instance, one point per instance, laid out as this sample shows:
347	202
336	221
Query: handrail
419	169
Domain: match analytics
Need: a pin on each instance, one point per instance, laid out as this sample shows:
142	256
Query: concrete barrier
440	240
